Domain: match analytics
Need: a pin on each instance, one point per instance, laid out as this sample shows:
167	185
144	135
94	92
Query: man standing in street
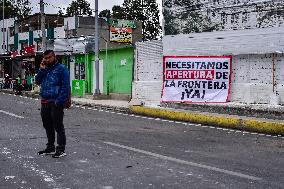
54	82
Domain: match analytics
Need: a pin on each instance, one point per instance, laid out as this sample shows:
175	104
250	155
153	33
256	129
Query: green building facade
116	70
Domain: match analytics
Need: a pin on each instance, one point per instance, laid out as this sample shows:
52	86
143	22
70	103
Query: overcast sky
54	4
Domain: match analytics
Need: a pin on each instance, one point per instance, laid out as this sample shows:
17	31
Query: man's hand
42	65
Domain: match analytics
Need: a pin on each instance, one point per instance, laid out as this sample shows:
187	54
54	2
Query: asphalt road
110	150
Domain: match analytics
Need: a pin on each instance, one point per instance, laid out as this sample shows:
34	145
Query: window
4	46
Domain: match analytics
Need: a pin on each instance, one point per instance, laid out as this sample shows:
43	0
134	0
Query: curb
102	107
232	122
74	103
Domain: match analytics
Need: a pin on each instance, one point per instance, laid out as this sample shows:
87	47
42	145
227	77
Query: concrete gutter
275	127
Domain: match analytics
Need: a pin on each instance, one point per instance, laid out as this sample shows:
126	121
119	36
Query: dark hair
48	52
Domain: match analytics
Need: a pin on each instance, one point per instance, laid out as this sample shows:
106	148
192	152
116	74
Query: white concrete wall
70	23
252	78
147	84
8	23
59	32
279	77
252	74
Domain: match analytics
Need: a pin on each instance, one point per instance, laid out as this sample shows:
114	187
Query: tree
117	12
15	8
272	17
171	28
23	8
60	12
105	13
146	11
79	7
185	16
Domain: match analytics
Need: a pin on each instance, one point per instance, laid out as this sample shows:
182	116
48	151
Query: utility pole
3	38
3	30
97	91
143	30
42	17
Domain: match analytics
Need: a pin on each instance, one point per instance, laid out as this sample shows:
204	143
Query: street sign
119	23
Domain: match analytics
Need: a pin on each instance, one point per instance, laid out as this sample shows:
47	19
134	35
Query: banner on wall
121	35
196	79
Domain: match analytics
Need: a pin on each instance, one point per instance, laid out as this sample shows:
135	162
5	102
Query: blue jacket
54	83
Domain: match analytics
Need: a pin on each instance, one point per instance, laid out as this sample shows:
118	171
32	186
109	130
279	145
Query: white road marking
11	114
241	175
30	166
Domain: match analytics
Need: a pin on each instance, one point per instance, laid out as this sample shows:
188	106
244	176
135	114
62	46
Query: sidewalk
230	116
117	105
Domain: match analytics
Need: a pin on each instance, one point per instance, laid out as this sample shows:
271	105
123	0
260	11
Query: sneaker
47	151
59	154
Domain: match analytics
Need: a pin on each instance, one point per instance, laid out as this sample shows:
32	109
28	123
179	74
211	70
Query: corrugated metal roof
253	41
